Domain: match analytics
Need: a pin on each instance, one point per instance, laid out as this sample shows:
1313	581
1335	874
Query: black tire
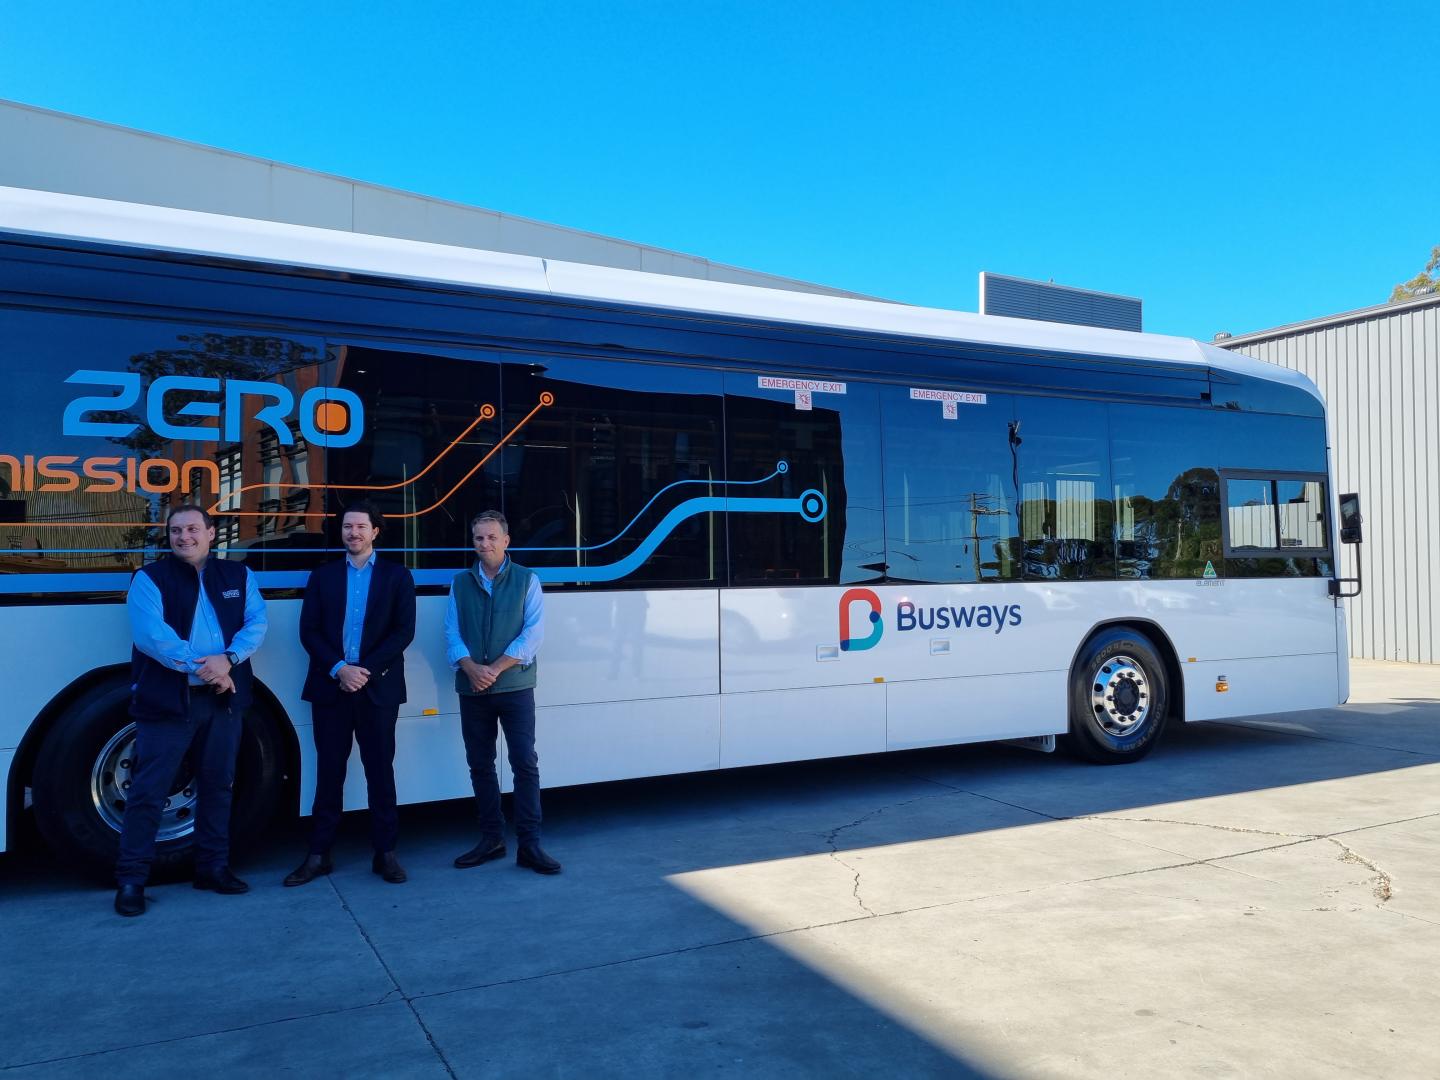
1119	698
69	783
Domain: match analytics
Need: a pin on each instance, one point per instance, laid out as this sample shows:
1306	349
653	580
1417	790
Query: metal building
1379	369
52	151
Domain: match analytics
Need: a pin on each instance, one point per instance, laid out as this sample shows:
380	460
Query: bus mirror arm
1351	532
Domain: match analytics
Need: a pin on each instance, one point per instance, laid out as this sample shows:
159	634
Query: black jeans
354	719
480	716
212	732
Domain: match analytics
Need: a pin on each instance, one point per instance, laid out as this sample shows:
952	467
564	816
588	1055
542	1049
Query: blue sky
1237	166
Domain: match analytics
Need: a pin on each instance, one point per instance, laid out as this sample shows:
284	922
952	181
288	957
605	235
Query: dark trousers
480	716
354	718
211	733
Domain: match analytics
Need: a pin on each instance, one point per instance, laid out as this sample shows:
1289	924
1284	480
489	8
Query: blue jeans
480	717
212	730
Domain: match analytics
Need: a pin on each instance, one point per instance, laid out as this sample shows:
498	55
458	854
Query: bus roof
194	233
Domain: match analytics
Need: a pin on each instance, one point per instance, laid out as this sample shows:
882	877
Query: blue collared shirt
357	595
154	637
526	643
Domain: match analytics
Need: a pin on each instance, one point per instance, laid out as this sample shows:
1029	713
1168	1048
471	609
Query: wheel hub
110	779
1120	696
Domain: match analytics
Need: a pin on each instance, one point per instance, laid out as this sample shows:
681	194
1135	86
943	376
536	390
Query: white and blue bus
772	526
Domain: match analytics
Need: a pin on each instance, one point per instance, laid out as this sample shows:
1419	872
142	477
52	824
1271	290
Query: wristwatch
234	659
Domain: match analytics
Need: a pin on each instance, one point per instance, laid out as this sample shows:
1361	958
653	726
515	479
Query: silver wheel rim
110	778
1120	696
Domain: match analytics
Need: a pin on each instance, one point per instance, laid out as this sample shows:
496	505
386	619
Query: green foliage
1425	281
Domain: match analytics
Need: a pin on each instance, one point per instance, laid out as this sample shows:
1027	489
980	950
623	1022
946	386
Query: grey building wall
1379	369
51	151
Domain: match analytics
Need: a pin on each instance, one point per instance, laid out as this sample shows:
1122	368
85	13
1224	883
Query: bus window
783	445
949	488
428	460
608	472
124	418
1063	474
1167	492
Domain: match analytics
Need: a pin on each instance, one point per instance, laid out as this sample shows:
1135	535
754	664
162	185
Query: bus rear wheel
83	772
1119	700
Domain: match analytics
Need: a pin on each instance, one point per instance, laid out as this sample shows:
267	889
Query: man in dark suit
356	621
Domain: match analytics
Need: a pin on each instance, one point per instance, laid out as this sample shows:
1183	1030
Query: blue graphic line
810	505
781	467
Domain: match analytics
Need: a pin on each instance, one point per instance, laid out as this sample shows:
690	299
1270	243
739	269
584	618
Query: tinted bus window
429	458
950	476
613	472
1259	443
804	476
1066	509
1167	491
111	421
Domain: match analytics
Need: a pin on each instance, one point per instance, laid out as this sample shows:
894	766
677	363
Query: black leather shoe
533	856
489	849
314	866
130	900
389	868
221	881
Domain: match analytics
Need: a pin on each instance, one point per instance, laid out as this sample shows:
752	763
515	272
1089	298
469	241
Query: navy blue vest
161	693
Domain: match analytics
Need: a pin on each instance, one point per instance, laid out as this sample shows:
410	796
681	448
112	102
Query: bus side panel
1260	685
938	712
622	740
7	758
798	725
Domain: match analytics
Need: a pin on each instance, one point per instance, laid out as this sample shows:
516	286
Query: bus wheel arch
1124	688
79	755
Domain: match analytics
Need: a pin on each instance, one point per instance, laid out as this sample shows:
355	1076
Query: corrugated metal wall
1380	374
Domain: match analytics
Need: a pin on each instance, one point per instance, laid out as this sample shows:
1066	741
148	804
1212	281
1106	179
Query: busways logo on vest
911	616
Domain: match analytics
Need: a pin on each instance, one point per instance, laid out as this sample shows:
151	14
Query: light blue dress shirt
154	637
357	595
526	643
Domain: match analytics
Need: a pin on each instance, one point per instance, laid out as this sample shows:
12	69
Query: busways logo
326	416
877	625
912	616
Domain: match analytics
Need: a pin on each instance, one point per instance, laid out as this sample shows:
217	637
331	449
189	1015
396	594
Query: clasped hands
214	671
352	677
481	676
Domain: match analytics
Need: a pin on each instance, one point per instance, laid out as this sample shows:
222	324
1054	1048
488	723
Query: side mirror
1350	519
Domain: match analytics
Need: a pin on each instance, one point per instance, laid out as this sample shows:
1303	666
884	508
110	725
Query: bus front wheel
1118	698
83	770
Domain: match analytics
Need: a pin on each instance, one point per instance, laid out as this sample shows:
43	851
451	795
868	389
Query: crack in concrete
832	839
394	982
1382	889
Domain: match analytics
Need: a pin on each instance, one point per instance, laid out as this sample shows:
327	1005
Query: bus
771	526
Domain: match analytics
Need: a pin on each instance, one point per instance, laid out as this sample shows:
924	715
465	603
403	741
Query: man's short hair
490	515
189	508
366	507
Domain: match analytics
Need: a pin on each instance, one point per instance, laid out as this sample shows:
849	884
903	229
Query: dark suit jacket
389	628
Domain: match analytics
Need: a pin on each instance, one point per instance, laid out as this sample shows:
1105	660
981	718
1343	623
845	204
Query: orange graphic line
487	412
546	398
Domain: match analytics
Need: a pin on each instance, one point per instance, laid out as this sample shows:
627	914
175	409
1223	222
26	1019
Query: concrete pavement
1255	898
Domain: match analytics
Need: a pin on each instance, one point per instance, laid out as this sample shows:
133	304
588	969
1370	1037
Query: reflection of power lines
980	506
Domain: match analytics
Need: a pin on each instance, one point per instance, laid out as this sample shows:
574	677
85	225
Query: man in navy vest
493	628
356	622
195	622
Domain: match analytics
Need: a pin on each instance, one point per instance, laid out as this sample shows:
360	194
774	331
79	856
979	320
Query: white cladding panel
782	638
795	725
937	712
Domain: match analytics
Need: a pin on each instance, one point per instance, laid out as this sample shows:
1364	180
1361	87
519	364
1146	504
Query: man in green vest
493	628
